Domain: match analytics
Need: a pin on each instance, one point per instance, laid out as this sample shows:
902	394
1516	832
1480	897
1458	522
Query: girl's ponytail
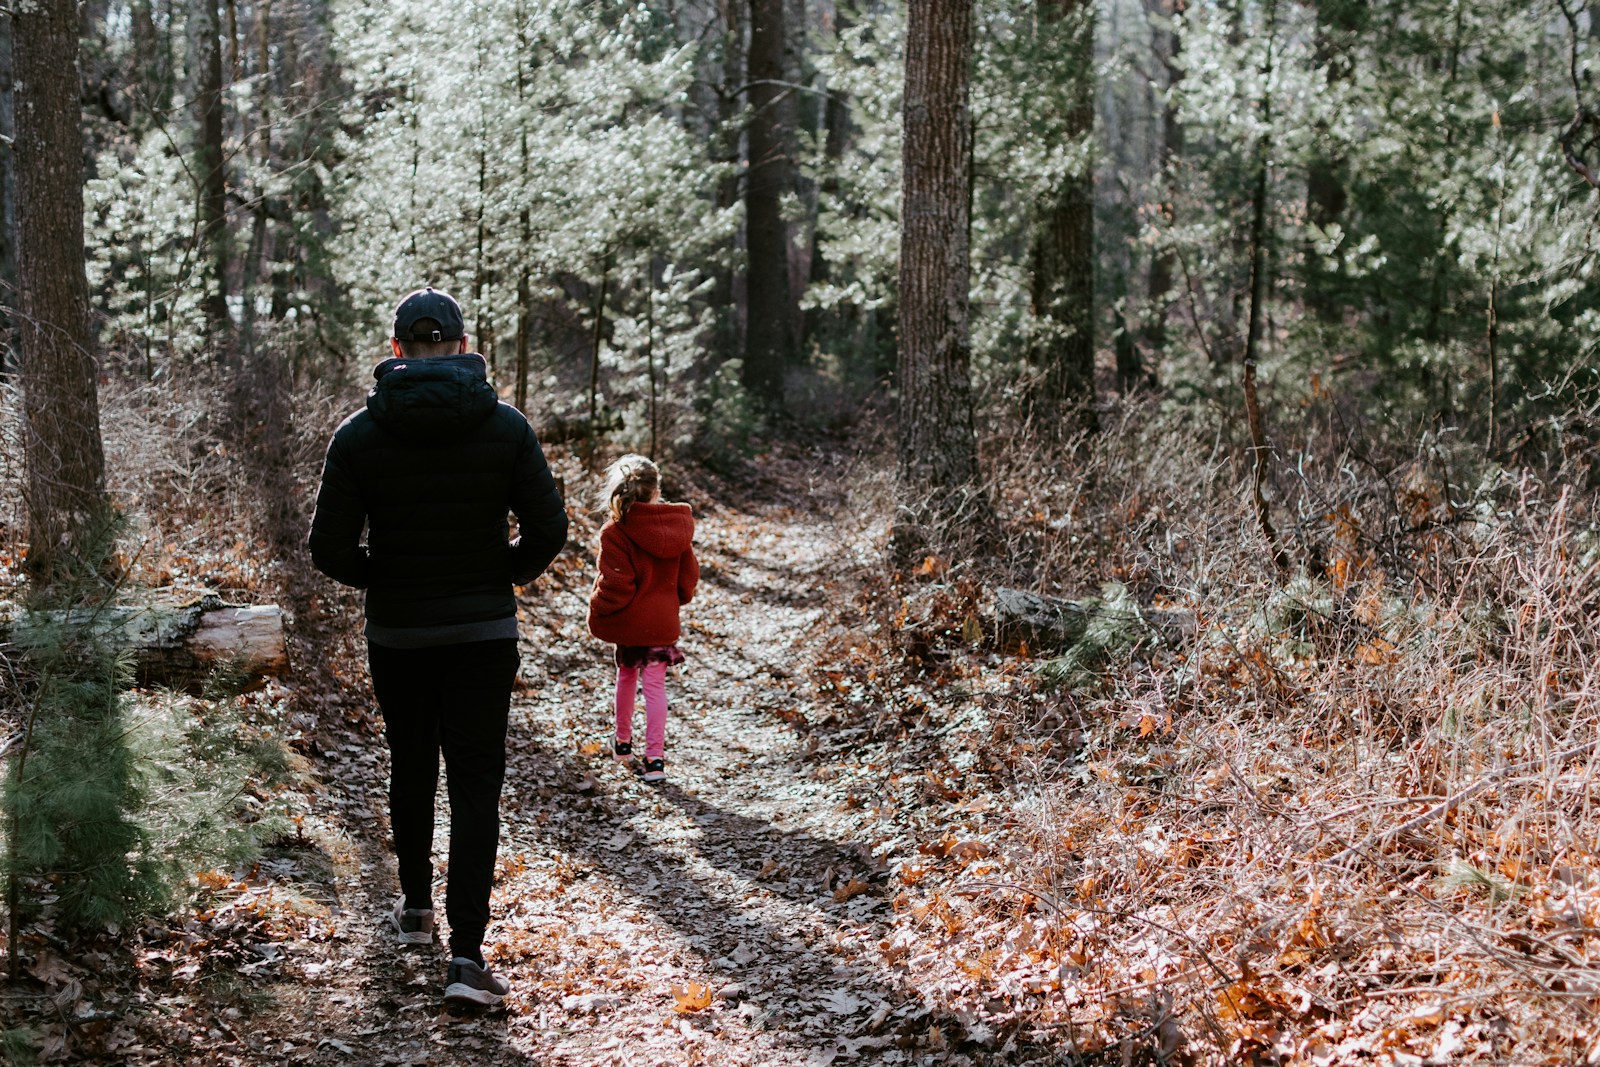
629	480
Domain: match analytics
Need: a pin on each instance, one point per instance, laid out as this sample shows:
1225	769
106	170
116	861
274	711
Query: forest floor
788	896
886	838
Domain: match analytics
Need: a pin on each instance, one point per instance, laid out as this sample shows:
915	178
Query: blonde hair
629	481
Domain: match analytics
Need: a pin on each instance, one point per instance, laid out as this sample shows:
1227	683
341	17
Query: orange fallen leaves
691	997
853	888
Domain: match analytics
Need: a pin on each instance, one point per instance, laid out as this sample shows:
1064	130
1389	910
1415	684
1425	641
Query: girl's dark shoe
655	770
621	750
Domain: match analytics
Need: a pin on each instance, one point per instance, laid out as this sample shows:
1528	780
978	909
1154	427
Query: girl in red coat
647	571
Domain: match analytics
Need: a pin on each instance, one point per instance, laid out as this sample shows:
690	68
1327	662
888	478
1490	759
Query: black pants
454	699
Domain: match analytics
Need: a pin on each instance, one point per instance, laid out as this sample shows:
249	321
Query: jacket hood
438	396
663	530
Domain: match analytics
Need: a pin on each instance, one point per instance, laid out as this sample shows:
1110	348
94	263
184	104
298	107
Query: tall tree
938	479
1166	44
8	194
205	67
1338	21
1062	257
61	411
768	335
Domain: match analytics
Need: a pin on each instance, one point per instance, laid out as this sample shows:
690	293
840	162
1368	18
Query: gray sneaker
470	984
412	926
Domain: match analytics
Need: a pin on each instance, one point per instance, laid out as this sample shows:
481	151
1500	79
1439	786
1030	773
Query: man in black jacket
431	467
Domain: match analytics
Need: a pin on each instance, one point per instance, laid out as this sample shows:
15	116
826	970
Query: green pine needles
73	789
112	801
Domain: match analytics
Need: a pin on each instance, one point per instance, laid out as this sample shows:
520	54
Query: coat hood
438	396
663	530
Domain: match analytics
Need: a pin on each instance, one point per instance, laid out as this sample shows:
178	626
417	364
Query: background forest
1221	376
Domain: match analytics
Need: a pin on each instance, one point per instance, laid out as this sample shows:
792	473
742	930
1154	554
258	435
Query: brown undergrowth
1345	818
1340	815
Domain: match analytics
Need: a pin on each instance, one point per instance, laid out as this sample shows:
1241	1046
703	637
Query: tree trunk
8	199
938	479
767	333
1260	450
206	71
1163	274
597	339
61	410
152	49
728	296
1062	257
836	134
1326	196
175	644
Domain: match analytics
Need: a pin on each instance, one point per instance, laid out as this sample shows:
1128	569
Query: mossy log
1038	624
176	644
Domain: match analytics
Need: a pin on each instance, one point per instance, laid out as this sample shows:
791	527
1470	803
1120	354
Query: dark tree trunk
1260	450
8	200
728	295
61	410
767	333
206	71
938	483
153	60
836	133
1326	196
1163	268
1062	256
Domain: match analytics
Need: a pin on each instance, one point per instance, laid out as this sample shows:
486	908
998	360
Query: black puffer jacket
431	467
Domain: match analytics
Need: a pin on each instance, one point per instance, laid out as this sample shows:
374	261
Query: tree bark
8	198
206	68
1260	450
152	48
728	295
1062	257
1163	274
768	345
61	410
938	483
836	137
174	644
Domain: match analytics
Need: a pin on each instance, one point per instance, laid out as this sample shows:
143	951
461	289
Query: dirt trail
752	880
718	883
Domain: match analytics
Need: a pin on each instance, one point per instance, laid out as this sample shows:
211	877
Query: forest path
753	880
620	903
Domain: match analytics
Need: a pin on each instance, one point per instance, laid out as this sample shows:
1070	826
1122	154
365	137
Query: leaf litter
874	845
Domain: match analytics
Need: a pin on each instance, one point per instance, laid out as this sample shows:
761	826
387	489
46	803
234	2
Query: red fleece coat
647	569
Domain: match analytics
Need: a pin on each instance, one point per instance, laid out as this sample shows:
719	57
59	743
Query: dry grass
1352	819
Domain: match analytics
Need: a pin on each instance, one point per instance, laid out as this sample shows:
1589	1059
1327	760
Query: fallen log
175	644
1028	621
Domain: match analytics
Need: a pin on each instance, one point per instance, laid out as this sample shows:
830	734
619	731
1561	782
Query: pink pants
655	706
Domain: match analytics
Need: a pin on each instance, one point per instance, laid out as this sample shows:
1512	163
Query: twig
1455	800
1044	897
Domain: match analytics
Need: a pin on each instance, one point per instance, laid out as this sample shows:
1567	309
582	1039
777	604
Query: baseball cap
428	303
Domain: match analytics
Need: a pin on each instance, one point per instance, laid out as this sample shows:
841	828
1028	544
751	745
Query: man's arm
335	540
541	514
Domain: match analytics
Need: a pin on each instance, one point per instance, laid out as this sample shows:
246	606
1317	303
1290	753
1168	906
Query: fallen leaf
853	888
50	968
841	1002
967	851
691	997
